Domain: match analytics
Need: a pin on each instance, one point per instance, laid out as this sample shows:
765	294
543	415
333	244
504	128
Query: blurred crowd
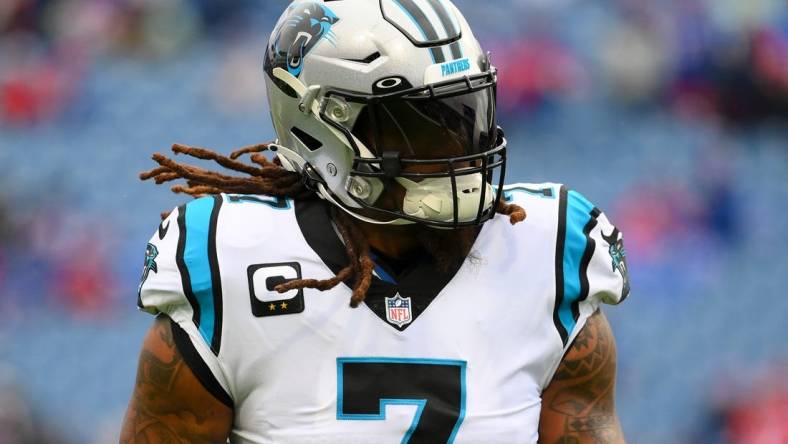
54	259
49	46
19	423
670	111
751	413
696	57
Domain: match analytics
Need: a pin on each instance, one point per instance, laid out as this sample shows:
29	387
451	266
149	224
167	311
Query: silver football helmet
375	95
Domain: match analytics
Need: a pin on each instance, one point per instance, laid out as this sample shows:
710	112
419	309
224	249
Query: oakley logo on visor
390	85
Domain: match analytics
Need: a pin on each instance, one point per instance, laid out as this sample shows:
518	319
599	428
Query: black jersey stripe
578	248
195	362
198	264
559	265
216	279
584	262
186	281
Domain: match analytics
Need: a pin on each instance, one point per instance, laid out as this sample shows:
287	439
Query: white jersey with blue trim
432	355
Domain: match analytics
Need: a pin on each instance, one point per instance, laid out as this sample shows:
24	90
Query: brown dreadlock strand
259	148
364	263
516	213
268	177
361	264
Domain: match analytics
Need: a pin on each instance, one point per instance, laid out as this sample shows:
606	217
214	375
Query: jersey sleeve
180	281
160	289
591	264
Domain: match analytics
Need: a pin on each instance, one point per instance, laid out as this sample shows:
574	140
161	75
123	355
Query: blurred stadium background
672	116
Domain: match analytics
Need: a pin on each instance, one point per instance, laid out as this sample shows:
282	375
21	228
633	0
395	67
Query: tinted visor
450	119
430	128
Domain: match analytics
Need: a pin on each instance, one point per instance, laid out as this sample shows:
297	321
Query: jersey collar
421	282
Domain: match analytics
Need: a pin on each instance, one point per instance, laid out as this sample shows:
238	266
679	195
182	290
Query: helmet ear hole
310	142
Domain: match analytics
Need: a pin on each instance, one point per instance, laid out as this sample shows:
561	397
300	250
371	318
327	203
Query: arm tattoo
160	411
582	392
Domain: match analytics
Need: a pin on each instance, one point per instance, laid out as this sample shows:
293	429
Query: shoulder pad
590	261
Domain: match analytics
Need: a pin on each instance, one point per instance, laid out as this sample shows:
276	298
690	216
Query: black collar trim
421	282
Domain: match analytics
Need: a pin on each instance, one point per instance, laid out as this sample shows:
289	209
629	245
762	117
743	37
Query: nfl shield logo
398	311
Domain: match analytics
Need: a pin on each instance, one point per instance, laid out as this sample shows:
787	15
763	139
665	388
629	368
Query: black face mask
448	129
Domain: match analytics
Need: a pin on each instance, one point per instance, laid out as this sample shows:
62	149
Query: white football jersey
431	356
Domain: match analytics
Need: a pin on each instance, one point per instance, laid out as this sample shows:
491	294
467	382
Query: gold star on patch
284	305
272	307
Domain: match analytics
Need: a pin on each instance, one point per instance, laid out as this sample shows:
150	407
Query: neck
448	248
394	241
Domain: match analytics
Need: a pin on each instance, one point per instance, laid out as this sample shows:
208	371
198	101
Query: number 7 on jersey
436	387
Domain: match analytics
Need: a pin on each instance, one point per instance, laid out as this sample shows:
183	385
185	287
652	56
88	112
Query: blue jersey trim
546	193
382	274
463	393
578	216
198	224
420	403
277	203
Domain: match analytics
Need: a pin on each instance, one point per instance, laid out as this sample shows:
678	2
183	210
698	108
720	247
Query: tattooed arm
578	407
169	404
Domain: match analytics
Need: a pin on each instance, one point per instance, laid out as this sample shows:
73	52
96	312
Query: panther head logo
619	256
150	264
300	29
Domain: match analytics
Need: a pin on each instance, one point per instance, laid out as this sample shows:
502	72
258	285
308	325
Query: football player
376	282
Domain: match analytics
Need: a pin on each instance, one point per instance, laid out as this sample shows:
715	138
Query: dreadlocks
268	177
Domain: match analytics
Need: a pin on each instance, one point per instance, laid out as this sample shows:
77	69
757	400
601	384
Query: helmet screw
302	107
359	188
339	110
332	169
